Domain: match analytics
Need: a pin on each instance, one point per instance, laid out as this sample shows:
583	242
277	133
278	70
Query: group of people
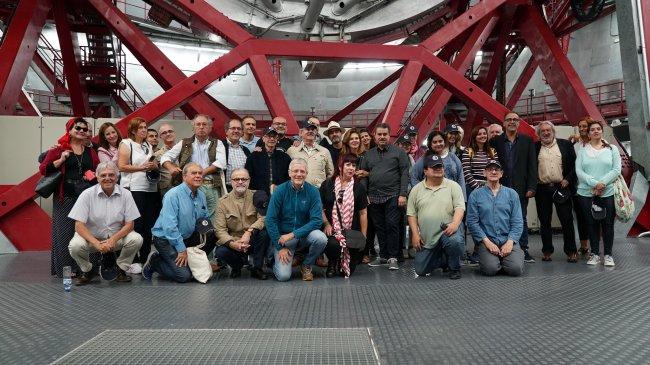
275	201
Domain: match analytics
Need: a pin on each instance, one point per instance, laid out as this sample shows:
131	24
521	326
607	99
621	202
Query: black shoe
331	271
528	258
235	273
84	278
258	273
454	274
122	277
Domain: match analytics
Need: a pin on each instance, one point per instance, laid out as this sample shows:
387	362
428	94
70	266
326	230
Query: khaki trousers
80	249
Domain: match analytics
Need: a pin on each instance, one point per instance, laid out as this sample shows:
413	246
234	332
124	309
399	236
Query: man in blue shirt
174	229
494	218
293	220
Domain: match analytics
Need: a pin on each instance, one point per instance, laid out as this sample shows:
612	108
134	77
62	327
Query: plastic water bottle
67	278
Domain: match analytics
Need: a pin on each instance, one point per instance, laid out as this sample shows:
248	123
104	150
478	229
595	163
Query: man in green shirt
435	215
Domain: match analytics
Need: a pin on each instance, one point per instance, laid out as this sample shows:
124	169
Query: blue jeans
315	242
165	263
448	250
523	241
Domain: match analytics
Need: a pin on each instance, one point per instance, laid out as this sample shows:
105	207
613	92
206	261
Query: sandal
547	257
584	251
572	258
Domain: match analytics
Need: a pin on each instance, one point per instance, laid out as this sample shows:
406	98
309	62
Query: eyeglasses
512	119
240	179
80	129
493	169
166	132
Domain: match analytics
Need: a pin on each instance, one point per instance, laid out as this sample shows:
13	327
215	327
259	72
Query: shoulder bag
48	184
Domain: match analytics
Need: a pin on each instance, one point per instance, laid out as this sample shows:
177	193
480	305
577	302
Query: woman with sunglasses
598	165
76	162
138	169
109	141
345	204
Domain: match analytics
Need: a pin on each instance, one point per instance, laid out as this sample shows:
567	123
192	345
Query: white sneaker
593	259
609	261
134	268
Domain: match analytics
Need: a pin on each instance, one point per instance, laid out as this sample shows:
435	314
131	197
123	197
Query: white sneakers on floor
593	259
134	268
608	261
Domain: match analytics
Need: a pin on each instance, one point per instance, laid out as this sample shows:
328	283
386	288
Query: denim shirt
495	217
178	216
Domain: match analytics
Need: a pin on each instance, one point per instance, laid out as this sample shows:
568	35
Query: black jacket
257	165
524	175
568	161
328	199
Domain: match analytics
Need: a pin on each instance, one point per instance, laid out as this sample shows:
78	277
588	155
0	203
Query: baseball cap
432	161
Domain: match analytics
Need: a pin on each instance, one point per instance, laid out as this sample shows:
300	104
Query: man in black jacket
269	167
517	156
556	184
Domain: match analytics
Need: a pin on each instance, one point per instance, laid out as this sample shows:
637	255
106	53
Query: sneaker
307	275
528	258
392	264
593	259
454	274
134	268
378	262
473	259
609	261
147	269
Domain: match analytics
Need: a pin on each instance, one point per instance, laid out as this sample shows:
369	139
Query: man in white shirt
104	216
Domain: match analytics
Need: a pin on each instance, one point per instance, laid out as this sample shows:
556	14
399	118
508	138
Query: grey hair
187	167
207	117
539	127
240	170
106	165
298	161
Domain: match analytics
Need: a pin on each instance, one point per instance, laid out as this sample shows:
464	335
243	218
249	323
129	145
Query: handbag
561	195
48	184
80	186
597	212
623	203
198	262
353	238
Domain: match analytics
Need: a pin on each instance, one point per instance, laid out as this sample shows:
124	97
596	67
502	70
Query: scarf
347	214
64	141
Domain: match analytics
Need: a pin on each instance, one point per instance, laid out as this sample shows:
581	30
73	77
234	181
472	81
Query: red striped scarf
347	214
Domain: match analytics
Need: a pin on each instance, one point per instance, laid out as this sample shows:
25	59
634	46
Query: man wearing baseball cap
494	218
319	160
269	167
435	212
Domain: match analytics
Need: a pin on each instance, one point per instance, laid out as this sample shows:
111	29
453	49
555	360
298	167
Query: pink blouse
107	155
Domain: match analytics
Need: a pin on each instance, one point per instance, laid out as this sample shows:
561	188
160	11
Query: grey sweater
389	171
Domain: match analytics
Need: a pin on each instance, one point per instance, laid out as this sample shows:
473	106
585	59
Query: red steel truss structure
449	42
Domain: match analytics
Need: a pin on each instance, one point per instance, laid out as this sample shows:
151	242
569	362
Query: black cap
404	140
306	124
432	161
493	163
203	226
452	128
411	130
269	130
261	201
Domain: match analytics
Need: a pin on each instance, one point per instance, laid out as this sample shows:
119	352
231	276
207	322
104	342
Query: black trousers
545	203
581	219
235	259
606	226
333	253
149	205
370	238
386	218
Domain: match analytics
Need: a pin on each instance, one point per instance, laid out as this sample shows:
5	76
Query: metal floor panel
556	313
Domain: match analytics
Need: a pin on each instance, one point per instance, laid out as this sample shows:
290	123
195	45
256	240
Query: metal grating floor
557	313
227	346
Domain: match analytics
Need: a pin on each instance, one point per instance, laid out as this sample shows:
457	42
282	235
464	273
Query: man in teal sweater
293	220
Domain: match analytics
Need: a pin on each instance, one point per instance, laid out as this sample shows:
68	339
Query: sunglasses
80	129
340	198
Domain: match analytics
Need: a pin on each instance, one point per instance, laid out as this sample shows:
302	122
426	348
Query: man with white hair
168	136
494	130
209	153
556	175
104	216
293	220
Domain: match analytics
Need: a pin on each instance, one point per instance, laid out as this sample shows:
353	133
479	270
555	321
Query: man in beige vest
319	159
209	153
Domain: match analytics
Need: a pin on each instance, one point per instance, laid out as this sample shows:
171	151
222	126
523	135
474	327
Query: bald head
280	124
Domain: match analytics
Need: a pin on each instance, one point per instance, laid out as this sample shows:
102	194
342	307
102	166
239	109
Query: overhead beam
399	101
215	21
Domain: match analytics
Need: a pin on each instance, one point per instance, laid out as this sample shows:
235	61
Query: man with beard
335	134
318	158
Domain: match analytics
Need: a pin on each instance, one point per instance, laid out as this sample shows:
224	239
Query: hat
306	124
269	130
493	163
332	125
432	161
203	226
261	201
452	128
411	130
404	140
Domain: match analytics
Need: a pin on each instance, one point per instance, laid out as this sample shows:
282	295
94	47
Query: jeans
386	218
523	241
315	243
449	247
544	200
595	227
490	264
165	263
259	243
211	197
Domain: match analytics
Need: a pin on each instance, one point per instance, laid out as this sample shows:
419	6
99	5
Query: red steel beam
521	83
271	91
17	49
57	86
70	52
440	95
161	68
216	21
560	74
399	101
29	108
18	195
567	28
